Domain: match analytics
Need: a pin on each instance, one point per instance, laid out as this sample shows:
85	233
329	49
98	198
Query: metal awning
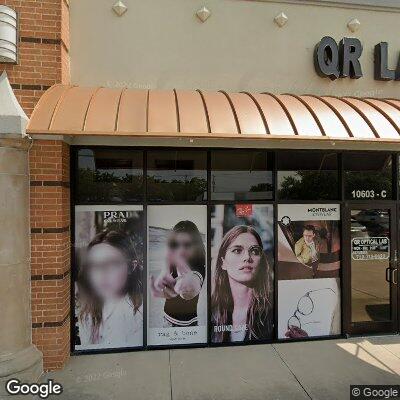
74	110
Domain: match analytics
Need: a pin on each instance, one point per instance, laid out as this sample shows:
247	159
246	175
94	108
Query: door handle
388	275
393	277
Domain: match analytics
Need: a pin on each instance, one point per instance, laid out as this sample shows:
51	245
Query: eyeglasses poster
177	282
308	270
109	246
242	275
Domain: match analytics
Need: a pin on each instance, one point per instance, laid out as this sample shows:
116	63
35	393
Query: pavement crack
291	371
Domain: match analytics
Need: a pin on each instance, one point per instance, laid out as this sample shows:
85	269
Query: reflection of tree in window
368	172
241	175
109	176
177	176
307	176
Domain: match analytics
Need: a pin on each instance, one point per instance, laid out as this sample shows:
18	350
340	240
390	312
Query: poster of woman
177	281
242	275
109	281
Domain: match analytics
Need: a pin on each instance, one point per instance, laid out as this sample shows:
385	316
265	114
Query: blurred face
308	236
107	271
181	246
242	258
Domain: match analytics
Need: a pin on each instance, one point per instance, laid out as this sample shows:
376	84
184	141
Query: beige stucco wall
161	44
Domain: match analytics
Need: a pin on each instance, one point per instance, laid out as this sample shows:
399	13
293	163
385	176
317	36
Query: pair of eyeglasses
174	245
253	251
305	307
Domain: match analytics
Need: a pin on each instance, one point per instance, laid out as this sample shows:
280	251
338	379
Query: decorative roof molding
375	5
13	120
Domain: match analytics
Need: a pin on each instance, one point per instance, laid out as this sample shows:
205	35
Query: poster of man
308	241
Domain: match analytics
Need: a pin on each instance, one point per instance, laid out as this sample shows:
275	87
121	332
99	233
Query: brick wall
50	250
44	61
43	49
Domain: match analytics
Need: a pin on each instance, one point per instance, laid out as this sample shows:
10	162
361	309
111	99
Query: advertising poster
177	281
308	307
109	277
308	270
242	273
308	241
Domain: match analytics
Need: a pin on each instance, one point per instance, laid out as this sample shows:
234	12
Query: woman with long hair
241	302
110	293
182	277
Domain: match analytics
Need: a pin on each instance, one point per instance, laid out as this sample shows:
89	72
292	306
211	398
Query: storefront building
174	197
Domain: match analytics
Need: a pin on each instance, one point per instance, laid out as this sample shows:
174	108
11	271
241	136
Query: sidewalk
320	370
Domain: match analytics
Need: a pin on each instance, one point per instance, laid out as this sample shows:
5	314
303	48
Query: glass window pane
370	254
367	176
109	176
177	175
306	175
241	175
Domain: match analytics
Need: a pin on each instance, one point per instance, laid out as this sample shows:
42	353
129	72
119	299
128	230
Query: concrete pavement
320	370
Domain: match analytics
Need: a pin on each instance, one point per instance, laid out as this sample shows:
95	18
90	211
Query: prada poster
109	277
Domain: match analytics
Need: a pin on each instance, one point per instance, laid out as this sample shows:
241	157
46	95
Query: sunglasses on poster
305	307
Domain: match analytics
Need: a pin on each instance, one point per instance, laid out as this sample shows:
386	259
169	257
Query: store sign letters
371	248
341	60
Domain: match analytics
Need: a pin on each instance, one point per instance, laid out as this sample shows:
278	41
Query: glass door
370	272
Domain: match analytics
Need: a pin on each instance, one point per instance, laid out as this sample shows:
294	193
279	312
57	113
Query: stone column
18	357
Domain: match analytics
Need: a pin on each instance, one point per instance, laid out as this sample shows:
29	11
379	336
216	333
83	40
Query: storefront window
177	176
308	175
109	176
368	176
241	175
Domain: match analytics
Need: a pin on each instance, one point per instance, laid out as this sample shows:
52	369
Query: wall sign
334	60
369	194
371	248
382	71
341	60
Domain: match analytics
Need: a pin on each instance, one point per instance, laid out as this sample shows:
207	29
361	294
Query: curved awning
74	110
